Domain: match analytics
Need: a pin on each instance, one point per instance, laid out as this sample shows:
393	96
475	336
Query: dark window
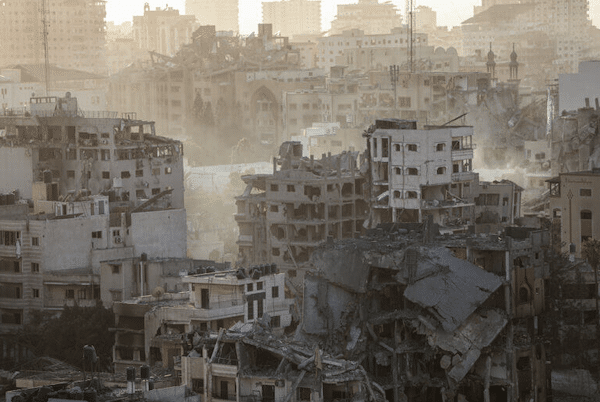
275	292
36	293
125	174
97	235
441	170
70	174
259	285
140	194
411	147
397	194
274	208
440	147
411	194
70	294
35	241
585	192
291	188
155	191
251	310
275	321
106	175
116	269
398	171
274	187
260	308
204	298
250	287
139	173
303	394
412	171
585	214
35	267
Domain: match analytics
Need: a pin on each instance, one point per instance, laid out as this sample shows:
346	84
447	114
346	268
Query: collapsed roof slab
466	342
452	293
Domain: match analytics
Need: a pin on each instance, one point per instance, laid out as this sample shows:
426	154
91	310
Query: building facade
163	30
293	17
223	15
75	33
415	173
371	15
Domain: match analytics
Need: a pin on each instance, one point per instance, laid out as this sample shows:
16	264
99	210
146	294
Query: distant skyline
449	12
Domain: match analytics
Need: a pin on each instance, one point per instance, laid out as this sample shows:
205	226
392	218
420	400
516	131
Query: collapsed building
431	323
246	363
282	217
406	175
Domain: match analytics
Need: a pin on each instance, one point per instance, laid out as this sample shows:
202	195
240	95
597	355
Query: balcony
463	176
462	154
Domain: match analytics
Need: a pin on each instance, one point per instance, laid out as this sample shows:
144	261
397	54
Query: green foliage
591	251
64	337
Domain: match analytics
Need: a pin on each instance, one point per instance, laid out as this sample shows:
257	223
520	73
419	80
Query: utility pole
394	71
45	41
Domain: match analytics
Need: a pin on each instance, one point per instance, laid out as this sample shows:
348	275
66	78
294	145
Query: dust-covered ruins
370	205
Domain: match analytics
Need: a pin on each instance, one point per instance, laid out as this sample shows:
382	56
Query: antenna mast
45	40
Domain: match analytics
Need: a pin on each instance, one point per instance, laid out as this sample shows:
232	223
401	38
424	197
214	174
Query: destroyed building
85	187
282	217
151	329
247	363
458	319
94	151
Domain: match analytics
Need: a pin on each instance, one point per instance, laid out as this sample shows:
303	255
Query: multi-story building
425	19
573	208
293	17
304	202
371	15
348	46
163	30
223	15
581	89
416	173
154	328
75	33
95	152
78	174
355	100
23	81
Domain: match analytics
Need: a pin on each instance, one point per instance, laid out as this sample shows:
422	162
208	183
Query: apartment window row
409	171
398	195
126	174
9	237
407	147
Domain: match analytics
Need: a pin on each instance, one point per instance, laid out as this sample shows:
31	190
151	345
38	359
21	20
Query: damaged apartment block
246	363
454	320
151	329
282	217
84	187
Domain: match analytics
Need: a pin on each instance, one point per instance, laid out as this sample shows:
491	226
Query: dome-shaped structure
491	62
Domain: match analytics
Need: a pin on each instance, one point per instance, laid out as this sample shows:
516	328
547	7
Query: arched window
397	194
441	170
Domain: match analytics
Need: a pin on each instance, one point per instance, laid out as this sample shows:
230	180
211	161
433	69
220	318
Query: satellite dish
158	292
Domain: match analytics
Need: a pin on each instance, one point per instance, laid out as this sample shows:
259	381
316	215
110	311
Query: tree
198	108
64	337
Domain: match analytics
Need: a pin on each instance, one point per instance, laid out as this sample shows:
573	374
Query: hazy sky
449	12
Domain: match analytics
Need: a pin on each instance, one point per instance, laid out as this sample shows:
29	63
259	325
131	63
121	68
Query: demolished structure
282	217
431	323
